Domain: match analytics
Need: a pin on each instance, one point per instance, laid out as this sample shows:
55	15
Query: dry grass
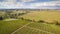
43	15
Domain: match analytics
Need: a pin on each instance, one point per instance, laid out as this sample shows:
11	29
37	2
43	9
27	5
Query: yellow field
43	15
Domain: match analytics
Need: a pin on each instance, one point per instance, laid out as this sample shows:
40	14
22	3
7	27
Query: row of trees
42	21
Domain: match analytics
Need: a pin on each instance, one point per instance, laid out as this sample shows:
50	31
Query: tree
1	18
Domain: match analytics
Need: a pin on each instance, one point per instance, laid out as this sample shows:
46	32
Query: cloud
35	5
51	4
9	0
27	0
11	5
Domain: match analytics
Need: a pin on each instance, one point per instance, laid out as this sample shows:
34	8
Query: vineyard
39	28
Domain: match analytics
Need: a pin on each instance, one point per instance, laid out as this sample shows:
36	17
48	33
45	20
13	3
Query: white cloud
45	5
10	0
39	5
11	5
52	3
27	0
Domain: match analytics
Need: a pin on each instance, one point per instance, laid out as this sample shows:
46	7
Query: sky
29	4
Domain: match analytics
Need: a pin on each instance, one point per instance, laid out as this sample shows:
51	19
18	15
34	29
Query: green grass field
7	27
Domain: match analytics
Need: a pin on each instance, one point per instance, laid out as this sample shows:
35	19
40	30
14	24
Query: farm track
20	28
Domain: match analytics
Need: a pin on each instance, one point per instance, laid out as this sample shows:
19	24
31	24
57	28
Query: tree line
42	21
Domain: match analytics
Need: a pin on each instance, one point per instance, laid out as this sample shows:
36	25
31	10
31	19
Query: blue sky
31	4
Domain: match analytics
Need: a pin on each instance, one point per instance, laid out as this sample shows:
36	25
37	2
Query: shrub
41	21
22	18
